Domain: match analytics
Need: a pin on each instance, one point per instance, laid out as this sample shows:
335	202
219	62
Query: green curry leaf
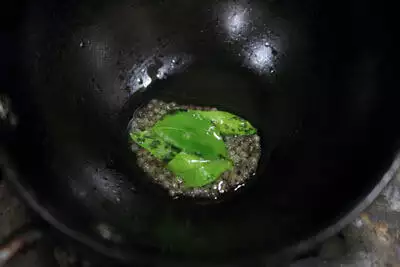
191	142
155	145
228	124
192	134
196	171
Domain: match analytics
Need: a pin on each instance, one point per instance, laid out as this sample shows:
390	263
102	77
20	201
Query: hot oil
244	151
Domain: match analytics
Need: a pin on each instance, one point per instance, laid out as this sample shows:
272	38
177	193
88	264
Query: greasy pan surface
315	79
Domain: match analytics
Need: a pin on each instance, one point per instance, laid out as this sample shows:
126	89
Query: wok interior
315	86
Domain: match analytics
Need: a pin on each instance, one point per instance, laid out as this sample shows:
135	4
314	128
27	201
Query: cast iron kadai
316	79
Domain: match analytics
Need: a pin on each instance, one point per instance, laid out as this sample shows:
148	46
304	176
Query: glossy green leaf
229	124
196	171
191	133
155	145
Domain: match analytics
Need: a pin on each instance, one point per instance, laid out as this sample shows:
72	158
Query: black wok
315	77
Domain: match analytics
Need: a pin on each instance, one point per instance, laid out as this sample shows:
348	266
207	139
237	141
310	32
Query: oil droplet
238	187
176	61
221	187
105	231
